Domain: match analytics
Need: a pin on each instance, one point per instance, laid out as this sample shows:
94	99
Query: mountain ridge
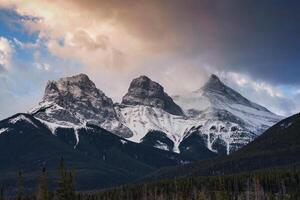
277	147
228	121
222	110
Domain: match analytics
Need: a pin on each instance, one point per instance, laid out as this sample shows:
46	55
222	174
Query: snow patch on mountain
141	119
161	146
22	118
123	141
3	130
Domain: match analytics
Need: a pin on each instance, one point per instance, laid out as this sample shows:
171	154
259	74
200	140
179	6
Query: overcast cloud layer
253	46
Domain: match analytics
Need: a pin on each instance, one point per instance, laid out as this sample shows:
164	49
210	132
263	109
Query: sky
252	45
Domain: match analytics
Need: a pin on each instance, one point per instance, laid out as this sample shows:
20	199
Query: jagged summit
76	101
214	83
218	94
144	91
71	87
78	94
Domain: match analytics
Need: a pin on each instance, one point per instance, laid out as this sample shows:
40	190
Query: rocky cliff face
144	91
75	101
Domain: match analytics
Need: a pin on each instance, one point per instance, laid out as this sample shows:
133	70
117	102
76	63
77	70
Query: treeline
267	184
65	187
257	186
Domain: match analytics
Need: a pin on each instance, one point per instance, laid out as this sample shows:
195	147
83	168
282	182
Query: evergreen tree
66	186
2	193
20	187
43	191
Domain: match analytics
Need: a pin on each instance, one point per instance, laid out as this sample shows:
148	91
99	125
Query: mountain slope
230	118
222	118
100	158
278	147
215	97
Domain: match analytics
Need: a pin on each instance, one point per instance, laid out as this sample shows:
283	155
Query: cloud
256	37
93	39
6	51
271	96
26	45
177	44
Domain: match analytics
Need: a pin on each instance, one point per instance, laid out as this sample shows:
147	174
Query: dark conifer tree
66	186
2	193
43	190
20	187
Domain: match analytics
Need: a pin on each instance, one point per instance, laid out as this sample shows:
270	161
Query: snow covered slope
142	119
224	119
215	97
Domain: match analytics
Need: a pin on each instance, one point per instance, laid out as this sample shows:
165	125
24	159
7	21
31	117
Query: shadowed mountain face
278	147
100	158
144	91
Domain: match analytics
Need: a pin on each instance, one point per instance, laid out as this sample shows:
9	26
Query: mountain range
221	119
110	143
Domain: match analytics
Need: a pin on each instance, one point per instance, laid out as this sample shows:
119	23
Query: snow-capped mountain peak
223	118
214	89
214	84
144	91
75	101
78	86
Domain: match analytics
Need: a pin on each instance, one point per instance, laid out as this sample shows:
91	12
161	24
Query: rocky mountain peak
214	83
144	91
76	100
144	82
78	86
78	93
214	77
219	94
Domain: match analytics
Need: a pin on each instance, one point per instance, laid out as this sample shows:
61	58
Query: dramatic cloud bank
254	45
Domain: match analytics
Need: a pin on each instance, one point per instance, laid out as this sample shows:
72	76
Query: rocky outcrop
144	91
76	101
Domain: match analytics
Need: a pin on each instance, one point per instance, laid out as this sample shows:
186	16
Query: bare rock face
78	94
76	101
144	91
